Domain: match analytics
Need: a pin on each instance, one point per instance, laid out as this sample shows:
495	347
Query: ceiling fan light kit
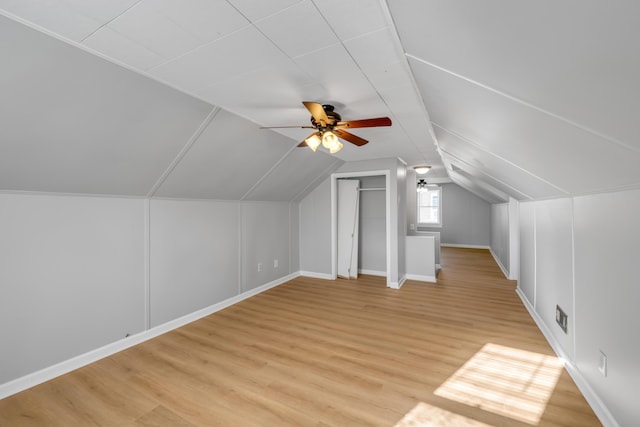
330	127
313	141
336	147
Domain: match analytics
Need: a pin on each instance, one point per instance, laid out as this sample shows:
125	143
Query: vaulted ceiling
165	98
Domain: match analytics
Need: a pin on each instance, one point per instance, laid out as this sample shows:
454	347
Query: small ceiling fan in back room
329	127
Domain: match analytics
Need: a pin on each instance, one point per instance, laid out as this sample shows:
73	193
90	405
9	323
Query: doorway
334	217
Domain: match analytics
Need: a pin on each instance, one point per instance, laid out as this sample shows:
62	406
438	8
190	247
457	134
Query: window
429	206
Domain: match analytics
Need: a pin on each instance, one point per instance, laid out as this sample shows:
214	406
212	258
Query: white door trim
334	215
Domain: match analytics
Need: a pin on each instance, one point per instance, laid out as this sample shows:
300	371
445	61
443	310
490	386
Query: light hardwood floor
462	352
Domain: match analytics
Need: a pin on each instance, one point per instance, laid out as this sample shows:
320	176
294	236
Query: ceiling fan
329	127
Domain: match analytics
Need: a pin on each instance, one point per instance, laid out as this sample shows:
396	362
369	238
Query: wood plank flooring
321	353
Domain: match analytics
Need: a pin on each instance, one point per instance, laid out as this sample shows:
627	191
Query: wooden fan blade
304	143
366	123
356	140
317	112
287	127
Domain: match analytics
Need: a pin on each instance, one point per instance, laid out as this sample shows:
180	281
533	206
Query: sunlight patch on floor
506	381
425	415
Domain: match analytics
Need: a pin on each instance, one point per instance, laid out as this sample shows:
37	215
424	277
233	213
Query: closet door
348	214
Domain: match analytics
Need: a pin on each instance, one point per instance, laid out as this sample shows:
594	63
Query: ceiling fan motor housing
331	115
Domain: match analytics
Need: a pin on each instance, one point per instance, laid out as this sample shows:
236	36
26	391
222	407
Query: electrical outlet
412	227
562	318
259	267
602	364
275	263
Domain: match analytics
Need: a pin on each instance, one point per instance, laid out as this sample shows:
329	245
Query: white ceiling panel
282	84
150	27
386	53
54	15
100	10
352	18
116	46
298	30
329	65
391	76
226	161
297	172
73	122
258	9
238	53
207	20
551	149
409	114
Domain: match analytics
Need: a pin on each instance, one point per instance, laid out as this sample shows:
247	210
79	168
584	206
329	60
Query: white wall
466	218
194	256
72	277
527	231
607	298
315	231
500	235
505	245
554	267
581	254
294	236
78	273
265	239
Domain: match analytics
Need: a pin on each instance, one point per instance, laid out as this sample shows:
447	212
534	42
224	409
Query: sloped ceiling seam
110	21
184	151
448	156
485	192
528	104
479	147
254	186
389	18
332	167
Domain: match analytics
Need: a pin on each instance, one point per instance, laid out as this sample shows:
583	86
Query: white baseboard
46	374
398	284
455	245
504	270
598	406
373	272
324	276
421	278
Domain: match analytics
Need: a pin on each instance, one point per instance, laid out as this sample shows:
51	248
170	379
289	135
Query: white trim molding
334	217
372	272
46	374
325	276
456	245
397	285
502	267
421	278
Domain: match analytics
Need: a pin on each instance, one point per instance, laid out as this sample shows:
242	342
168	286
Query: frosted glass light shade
421	170
313	142
337	147
329	140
